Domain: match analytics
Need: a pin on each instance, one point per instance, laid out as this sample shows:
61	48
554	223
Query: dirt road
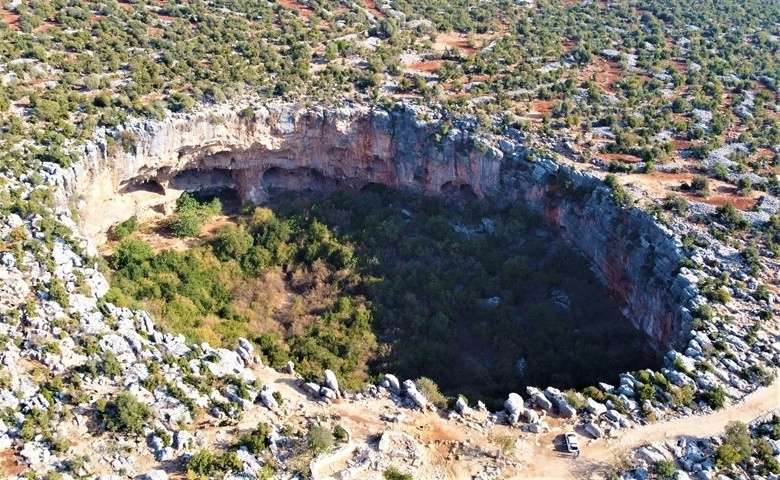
604	454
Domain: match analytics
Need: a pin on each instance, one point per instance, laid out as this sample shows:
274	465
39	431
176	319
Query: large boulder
531	416
542	402
222	362
414	394
154	475
311	388
514	407
596	408
332	382
392	383
593	430
462	407
566	410
267	397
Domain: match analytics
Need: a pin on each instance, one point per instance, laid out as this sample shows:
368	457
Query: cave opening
142	186
277	180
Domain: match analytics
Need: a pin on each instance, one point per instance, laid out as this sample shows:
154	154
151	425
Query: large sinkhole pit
482	299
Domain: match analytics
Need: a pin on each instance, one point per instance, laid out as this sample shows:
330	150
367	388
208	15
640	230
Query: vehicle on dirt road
572	445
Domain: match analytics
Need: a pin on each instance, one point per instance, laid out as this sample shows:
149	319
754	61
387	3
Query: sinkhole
482	298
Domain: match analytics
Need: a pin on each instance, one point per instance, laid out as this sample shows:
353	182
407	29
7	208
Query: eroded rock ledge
256	148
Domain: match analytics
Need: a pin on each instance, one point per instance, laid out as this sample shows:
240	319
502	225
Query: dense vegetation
481	303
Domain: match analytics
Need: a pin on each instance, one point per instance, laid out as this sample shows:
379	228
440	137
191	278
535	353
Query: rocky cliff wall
351	146
634	255
290	147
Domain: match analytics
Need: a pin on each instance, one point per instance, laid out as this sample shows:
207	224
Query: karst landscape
295	239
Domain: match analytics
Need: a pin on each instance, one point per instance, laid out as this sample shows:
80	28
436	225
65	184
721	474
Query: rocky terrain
67	351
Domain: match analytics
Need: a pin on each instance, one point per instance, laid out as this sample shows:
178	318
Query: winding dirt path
605	454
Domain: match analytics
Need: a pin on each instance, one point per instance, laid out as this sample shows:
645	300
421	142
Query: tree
125	414
736	445
186	224
232	242
130	252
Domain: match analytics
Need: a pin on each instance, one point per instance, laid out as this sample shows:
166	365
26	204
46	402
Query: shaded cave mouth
482	299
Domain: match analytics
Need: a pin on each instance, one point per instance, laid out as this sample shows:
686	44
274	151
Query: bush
256	441
125	414
730	216
110	365
645	391
231	242
58	292
201	463
700	185
393	473
736	446
186	224
122	230
431	392
340	434
716	398
205	463
130	252
320	439
665	469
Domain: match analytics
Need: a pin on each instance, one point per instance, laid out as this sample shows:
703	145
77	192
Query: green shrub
716	398
256	441
645	391
124	229
125	414
186	224
700	185
58	292
431	392
665	469
736	445
130	253
320	439
204	463
340	434
109	364
393	473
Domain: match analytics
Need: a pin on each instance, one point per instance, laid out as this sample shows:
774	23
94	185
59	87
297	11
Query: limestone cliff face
280	145
635	256
289	147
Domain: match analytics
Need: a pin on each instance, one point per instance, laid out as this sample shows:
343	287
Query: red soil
11	19
371	7
620	157
427	66
740	203
303	10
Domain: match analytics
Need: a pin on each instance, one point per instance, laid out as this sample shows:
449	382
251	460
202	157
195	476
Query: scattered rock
267	397
593	430
514	407
332	382
154	475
